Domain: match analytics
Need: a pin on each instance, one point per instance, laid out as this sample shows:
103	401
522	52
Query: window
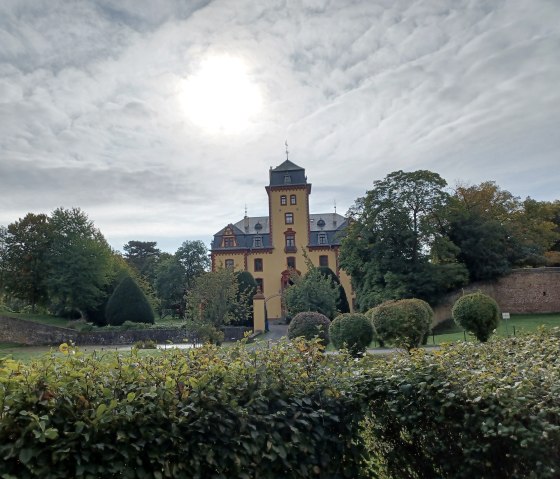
260	284
289	218
293	200
322	238
283	201
291	262
258	264
229	263
287	179
257	242
290	240
324	260
229	242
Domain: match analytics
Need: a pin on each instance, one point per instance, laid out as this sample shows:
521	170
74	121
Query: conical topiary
128	303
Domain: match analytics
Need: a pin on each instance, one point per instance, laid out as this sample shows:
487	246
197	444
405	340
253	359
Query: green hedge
310	325
470	410
201	413
487	410
353	331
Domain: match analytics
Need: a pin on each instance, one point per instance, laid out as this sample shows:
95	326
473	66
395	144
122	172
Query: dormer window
322	238
287	179
229	242
257	242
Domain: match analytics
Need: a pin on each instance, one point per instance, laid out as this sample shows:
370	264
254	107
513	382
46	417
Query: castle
272	247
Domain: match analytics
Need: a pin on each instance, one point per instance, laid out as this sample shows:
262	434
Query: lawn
518	324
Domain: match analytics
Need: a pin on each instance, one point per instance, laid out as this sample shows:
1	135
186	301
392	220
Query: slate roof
287	173
246	230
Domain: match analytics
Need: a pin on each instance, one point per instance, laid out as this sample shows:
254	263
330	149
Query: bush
145	344
205	413
202	332
128	303
309	325
404	323
478	314
352	331
470	410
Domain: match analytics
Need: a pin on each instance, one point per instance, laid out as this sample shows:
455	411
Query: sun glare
221	96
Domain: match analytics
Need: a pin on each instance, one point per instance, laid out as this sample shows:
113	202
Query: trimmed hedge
468	410
310	325
488	410
404	323
352	331
202	413
128	303
477	313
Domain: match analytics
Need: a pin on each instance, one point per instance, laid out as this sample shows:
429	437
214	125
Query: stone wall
535	290
20	331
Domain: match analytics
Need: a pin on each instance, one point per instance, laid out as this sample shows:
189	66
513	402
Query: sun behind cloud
221	96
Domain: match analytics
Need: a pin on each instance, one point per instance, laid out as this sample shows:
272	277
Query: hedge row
471	410
201	413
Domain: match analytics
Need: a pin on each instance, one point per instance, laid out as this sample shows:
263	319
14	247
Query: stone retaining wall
21	331
535	290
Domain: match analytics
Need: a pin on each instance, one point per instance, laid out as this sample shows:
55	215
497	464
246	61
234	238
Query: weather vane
286	143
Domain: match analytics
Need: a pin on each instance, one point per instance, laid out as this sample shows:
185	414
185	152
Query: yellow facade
270	248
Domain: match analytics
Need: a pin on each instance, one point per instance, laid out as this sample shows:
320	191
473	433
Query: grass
517	325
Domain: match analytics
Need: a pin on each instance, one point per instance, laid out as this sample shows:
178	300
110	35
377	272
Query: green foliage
201	332
26	244
202	413
310	325
216	299
312	292
352	331
246	289
395	247
128	303
143	256
469	410
145	344
342	305
403	323
478	314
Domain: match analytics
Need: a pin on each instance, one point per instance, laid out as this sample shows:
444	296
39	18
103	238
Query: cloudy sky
161	118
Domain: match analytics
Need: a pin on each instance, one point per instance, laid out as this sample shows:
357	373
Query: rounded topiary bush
128	303
353	331
404	323
310	325
478	314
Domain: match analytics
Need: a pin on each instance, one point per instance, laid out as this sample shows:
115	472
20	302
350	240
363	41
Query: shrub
207	413
353	331
145	344
470	410
309	325
404	323
478	314
201	332
128	303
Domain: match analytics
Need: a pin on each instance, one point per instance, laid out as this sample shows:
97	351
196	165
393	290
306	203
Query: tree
246	289
128	303
213	298
79	262
312	292
193	257
396	246
342	305
143	256
26	247
170	286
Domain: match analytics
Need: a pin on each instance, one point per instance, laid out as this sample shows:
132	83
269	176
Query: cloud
91	115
